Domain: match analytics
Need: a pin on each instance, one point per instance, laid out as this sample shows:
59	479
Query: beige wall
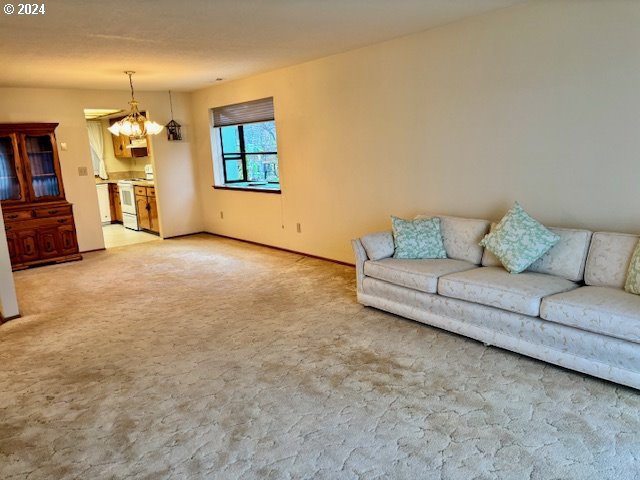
178	204
538	103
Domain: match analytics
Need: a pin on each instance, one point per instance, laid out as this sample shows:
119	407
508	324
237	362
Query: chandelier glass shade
134	125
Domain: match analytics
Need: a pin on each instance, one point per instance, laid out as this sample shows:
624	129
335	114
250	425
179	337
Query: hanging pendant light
173	127
135	125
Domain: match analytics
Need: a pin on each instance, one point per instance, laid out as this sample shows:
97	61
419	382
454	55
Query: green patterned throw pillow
519	240
632	285
420	238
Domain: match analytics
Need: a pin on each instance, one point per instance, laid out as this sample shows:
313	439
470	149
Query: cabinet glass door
43	175
9	183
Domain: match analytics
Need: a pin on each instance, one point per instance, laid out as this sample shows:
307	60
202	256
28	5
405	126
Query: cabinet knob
7	228
12	216
62	220
52	212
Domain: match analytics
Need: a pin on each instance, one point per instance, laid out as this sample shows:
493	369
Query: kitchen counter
144	183
139	183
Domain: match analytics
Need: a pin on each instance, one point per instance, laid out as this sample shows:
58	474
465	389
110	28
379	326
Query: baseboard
186	235
94	250
6	319
339	262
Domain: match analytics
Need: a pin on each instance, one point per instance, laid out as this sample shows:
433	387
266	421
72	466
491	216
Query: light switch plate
82	171
63	146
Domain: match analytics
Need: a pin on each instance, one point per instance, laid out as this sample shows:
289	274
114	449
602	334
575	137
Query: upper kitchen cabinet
29	164
124	147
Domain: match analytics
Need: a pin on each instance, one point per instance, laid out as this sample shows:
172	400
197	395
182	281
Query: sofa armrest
360	257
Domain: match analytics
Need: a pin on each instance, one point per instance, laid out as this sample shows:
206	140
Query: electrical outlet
221	214
298	228
83	172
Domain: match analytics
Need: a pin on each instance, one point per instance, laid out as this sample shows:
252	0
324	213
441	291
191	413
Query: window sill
247	187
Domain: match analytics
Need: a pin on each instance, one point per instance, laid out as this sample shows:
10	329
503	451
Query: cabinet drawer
67	220
36	223
140	190
15	216
151	191
53	211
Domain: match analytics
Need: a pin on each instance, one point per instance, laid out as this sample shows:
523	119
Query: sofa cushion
608	259
495	287
632	283
519	240
416	274
378	245
420	238
461	237
604	310
566	258
488	258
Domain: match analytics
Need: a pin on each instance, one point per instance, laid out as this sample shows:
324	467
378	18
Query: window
245	146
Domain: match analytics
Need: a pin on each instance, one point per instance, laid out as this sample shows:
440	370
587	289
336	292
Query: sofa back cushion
488	258
565	259
378	245
608	259
461	237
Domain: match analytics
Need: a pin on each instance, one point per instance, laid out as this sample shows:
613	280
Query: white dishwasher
103	202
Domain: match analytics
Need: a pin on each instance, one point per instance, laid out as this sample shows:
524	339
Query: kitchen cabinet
39	221
147	208
114	203
124	147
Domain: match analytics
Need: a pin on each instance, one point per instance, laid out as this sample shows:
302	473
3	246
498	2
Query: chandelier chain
130	82
135	125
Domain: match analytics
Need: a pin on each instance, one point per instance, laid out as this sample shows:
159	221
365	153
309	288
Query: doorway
123	172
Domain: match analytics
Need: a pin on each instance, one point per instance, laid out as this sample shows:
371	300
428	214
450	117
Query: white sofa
569	308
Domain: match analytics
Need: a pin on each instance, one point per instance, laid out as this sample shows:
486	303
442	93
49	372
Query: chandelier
135	125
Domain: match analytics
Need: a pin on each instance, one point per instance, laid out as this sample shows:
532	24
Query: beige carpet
207	358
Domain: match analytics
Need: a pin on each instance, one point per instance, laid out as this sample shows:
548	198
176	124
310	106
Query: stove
128	204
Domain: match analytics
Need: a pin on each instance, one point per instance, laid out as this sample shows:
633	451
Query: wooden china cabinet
38	219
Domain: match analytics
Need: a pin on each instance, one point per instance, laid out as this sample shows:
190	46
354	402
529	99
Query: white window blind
246	112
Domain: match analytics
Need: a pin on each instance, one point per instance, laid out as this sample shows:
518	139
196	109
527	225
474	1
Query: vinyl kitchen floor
115	235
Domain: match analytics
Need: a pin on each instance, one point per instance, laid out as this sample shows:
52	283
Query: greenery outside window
245	147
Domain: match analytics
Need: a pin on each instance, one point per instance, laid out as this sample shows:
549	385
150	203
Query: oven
128	204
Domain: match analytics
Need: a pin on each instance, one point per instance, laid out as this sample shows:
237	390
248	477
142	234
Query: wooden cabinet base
41	234
48	261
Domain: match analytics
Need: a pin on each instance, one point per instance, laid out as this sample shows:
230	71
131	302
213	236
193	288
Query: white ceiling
185	45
